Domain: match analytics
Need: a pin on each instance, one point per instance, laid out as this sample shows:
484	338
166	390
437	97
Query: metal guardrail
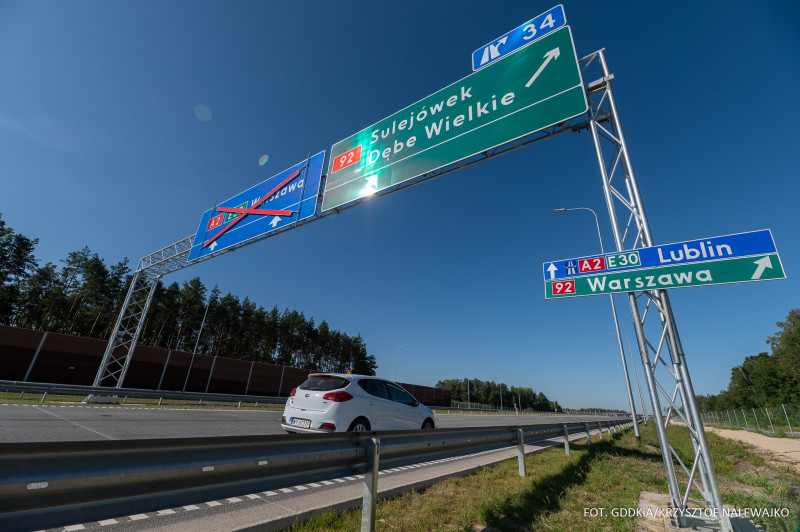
55	484
102	391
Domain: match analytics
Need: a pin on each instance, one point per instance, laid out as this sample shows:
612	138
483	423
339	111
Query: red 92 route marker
252	210
563	287
592	265
346	159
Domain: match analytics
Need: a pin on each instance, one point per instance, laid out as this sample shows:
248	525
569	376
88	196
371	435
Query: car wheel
427	425
359	425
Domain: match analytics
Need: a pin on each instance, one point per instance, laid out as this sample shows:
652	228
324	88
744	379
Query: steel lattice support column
657	337
123	339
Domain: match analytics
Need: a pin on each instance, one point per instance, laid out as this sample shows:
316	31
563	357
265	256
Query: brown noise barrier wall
66	359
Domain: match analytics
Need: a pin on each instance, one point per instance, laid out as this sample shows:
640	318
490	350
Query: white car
337	402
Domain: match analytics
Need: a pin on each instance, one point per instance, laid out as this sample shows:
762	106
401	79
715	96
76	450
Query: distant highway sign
280	200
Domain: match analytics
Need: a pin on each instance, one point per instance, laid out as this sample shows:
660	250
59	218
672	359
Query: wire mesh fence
782	420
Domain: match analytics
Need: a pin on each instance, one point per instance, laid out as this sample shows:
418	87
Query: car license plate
302	423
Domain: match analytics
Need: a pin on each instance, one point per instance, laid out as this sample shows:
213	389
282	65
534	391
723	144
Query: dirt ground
781	451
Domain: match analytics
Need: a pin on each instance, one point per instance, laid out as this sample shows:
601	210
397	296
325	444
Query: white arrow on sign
213	245
762	264
552	269
552	54
275	221
491	52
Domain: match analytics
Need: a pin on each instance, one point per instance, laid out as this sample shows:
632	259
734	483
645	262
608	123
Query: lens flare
202	112
263	160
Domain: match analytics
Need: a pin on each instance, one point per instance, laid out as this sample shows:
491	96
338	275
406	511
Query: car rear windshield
324	383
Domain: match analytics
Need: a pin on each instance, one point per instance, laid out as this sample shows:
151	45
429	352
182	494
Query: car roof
348	376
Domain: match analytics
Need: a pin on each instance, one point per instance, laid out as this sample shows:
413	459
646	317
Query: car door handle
370	403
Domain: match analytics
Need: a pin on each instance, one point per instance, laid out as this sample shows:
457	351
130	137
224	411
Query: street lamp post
636	375
395	360
616	324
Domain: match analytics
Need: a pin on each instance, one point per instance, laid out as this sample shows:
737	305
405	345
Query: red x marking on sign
252	210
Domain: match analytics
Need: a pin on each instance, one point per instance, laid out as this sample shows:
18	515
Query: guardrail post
566	440
588	434
600	427
159	400
43	398
370	501
521	452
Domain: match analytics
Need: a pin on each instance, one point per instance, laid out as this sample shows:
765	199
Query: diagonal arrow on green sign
738	270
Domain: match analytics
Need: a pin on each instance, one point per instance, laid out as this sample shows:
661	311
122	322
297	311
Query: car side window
373	387
401	396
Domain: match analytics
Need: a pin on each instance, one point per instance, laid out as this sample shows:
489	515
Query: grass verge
559	491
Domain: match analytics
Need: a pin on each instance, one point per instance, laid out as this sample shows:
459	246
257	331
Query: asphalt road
36	423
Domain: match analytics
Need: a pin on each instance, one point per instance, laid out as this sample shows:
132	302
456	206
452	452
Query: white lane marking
234	499
270	493
166	512
191	507
73	528
78	424
137	517
211	504
108	522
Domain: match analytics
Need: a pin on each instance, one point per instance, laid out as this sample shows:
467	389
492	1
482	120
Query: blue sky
102	147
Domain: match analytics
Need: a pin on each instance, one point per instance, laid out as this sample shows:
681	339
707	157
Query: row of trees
83	297
766	379
492	394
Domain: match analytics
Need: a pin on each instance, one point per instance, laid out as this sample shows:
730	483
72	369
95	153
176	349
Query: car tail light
294	391
337	397
328	426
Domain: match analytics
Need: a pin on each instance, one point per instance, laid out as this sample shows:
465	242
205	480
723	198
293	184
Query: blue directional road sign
268	206
518	37
703	250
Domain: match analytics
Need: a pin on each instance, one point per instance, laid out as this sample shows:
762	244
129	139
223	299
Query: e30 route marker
291	196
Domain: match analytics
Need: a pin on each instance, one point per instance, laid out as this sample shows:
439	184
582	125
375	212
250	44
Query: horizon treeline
83	297
766	379
489	393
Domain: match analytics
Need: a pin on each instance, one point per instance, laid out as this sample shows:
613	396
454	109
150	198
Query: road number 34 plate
302	423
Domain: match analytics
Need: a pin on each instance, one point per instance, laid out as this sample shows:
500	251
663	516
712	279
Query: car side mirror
416	403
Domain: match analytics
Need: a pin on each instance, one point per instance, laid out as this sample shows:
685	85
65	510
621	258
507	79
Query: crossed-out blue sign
280	200
704	249
521	36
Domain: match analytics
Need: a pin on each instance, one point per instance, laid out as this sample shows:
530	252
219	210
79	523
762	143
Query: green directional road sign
536	87
738	270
